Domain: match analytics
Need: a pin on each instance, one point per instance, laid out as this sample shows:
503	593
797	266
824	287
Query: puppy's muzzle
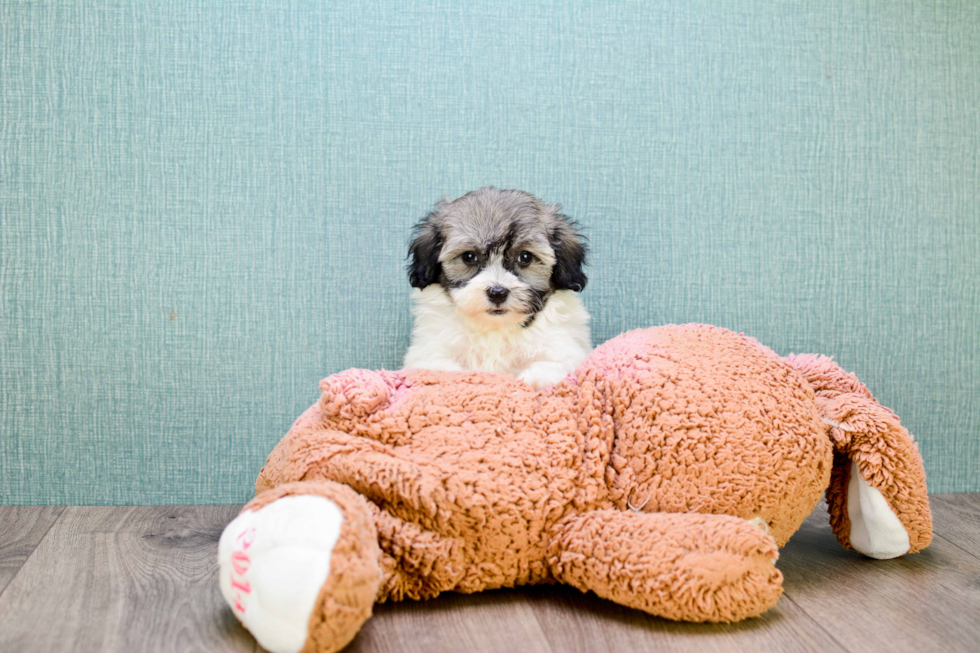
497	294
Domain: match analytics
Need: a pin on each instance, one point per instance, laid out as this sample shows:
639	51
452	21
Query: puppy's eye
525	258
469	258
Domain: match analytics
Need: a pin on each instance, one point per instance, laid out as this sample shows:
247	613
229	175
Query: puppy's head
499	254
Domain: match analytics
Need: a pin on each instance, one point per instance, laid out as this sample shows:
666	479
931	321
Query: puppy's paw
542	375
273	563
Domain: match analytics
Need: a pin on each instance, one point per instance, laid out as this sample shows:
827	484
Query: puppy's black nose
497	294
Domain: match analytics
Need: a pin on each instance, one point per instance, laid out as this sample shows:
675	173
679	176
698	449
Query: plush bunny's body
662	474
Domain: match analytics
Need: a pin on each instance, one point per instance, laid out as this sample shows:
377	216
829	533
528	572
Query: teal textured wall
205	206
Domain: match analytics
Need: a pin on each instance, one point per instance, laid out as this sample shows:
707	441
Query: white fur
445	337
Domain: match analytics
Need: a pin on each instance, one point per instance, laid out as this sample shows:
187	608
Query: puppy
496	274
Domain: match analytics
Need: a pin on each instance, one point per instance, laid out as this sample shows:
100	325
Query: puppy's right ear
424	267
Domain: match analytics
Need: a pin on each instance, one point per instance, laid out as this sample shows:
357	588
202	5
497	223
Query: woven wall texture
205	206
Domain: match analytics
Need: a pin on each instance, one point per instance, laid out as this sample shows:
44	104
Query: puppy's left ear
570	248
424	267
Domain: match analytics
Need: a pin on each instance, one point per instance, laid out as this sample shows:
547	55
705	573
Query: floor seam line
33	551
815	622
952	543
544	634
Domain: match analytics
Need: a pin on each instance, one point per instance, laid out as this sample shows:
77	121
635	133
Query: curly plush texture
697	567
662	474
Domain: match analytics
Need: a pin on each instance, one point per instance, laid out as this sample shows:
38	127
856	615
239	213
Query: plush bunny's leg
417	563
300	567
687	567
373	471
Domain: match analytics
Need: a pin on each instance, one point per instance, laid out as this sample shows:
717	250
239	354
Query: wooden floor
144	579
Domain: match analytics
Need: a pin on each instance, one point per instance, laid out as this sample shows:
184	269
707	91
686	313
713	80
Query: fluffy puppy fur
496	274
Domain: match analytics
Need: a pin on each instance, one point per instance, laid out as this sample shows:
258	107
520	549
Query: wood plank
476	623
584	623
928	601
956	517
21	529
144	579
124	579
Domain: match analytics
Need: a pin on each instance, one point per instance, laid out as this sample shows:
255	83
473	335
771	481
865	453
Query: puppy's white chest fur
444	338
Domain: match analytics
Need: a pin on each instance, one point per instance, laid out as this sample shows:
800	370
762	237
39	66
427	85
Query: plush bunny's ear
569	246
877	497
424	267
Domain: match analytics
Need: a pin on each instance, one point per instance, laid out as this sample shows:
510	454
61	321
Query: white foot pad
273	563
875	530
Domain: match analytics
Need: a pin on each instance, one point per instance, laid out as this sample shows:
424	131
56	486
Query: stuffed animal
662	474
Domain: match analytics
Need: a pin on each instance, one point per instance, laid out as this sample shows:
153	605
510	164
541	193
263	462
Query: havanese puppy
496	275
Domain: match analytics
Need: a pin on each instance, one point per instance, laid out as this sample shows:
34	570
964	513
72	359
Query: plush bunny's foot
299	567
273	564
